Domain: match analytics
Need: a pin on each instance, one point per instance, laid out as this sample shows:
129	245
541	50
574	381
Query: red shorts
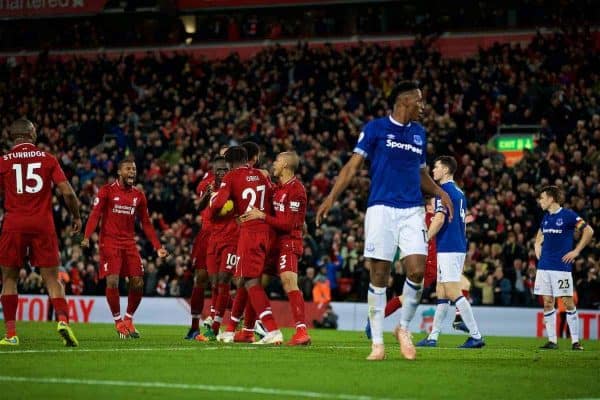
282	259
200	249
225	257
430	273
123	262
42	249
253	248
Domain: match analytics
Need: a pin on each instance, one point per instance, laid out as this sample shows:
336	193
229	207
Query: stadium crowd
173	113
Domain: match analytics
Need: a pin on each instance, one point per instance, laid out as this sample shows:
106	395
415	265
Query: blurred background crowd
172	113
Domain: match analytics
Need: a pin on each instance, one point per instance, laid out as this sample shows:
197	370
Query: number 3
31	176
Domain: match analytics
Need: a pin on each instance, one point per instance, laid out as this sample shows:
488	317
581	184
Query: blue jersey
397	154
452	237
558	229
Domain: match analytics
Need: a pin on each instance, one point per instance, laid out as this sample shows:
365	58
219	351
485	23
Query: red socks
297	306
61	309
249	317
133	301
196	306
214	294
262	306
392	305
222	301
112	297
9	309
239	303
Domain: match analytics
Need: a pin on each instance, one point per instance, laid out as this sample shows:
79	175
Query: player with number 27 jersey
248	188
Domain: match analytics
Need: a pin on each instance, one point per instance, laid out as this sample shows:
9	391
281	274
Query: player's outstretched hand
570	256
85	242
162	252
446	202
76	226
324	209
253	213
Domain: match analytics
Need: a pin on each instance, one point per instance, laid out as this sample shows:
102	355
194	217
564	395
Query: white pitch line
185	386
237	347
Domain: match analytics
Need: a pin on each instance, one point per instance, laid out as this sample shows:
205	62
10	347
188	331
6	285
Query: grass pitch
162	365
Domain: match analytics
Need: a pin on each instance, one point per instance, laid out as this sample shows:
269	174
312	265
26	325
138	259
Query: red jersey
289	206
200	190
118	206
28	176
248	188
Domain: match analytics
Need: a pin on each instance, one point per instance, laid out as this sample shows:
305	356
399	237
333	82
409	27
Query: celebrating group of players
252	228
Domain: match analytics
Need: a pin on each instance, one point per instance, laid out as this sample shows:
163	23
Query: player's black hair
252	149
236	155
218	158
126	160
400	88
449	162
553	191
21	128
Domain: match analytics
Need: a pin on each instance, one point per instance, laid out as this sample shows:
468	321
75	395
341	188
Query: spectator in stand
173	133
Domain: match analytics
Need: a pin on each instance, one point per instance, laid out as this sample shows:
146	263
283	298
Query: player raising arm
555	252
396	147
27	177
116	207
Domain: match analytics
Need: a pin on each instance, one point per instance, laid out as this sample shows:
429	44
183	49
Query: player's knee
112	281
200	279
223	278
289	283
137	282
548	303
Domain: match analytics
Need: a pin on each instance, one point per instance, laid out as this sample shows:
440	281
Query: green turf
334	366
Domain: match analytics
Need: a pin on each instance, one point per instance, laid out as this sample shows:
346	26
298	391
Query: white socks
550	322
376	300
443	305
467	315
573	321
411	297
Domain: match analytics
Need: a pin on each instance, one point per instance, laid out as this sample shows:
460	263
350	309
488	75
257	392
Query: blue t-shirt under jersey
558	229
452	237
397	154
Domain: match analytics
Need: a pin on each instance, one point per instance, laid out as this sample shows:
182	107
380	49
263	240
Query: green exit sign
514	142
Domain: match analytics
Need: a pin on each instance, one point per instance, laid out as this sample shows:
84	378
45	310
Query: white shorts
389	228
450	267
553	283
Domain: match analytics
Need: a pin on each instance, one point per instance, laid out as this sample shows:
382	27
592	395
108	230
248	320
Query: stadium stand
172	113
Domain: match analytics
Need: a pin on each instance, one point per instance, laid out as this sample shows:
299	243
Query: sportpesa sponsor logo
549	230
403	146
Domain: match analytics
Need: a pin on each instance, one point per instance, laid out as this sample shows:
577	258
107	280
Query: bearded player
116	207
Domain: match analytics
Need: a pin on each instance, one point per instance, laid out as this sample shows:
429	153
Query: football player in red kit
28	175
289	212
221	257
249	188
116	205
199	252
